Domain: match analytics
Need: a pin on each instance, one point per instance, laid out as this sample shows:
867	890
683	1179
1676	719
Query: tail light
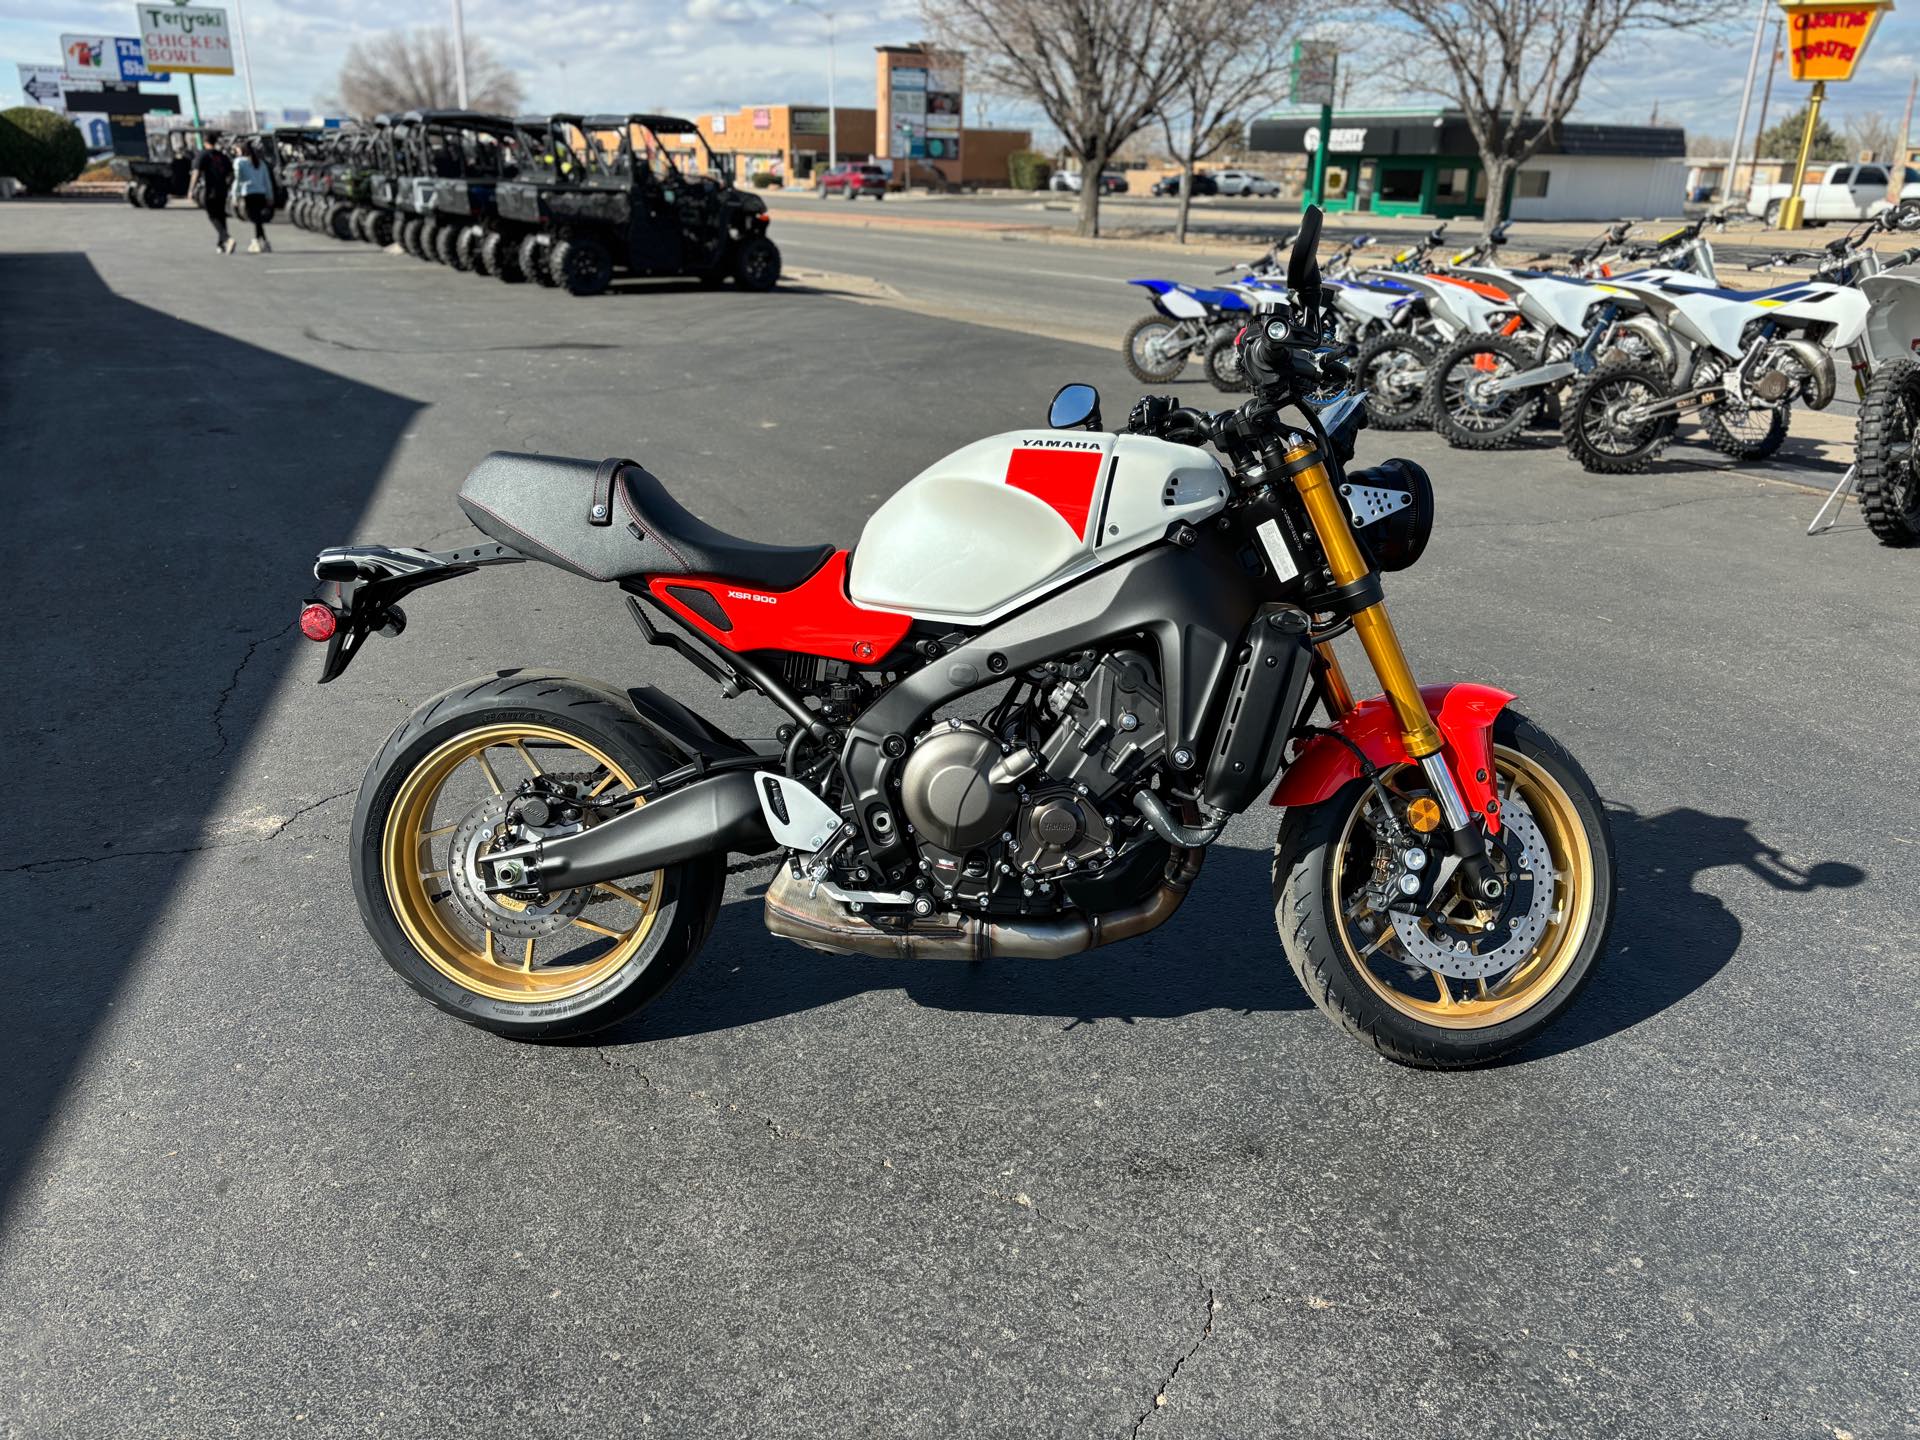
317	622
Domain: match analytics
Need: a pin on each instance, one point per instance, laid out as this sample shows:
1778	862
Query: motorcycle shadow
1221	951
1669	938
1190	964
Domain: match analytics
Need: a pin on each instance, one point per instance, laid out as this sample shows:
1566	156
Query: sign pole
1317	186
1791	207
1897	170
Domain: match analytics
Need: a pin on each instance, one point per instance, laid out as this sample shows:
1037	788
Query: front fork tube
1348	566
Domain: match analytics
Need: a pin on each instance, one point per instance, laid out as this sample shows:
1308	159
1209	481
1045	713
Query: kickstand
1836	502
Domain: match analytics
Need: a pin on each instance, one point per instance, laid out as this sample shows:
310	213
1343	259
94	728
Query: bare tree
1515	67
1870	135
415	70
1098	69
1240	51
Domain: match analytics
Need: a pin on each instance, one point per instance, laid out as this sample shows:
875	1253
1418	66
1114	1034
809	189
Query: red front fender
1463	714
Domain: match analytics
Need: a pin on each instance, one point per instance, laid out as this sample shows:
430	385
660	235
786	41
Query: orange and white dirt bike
1057	664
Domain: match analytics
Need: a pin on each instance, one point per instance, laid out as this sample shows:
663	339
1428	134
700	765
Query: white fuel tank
1001	521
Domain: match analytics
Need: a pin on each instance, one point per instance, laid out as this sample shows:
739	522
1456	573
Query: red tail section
816	617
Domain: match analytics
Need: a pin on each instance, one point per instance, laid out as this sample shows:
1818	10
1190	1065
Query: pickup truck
1834	192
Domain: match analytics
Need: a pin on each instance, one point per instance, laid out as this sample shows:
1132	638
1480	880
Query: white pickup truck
1834	192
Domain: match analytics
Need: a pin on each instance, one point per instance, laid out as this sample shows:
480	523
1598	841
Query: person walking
253	187
212	179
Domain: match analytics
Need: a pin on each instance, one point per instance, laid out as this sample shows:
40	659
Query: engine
1034	797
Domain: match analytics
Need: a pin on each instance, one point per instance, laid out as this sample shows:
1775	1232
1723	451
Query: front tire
1462	409
540	968
1884	450
1143	349
1594	422
756	263
1374	984
500	258
1392	368
581	265
534	252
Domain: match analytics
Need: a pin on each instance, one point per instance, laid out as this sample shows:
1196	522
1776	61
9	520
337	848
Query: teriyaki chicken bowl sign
192	39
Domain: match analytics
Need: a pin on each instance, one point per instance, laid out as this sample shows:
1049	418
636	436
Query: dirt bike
1058	663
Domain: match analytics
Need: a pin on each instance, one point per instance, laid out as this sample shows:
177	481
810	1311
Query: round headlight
1397	539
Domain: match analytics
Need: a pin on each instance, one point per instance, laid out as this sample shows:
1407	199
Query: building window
1402	186
1530	185
1450	185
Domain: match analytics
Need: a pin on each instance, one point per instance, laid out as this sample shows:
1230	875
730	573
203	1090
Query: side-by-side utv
609	194
447	165
167	172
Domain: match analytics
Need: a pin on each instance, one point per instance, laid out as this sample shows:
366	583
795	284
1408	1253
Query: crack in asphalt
233	683
70	862
1160	1395
562	345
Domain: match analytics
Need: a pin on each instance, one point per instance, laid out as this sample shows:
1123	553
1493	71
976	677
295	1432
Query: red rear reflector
317	623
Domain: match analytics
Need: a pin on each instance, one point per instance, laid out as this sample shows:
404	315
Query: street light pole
1746	94
833	117
459	55
246	66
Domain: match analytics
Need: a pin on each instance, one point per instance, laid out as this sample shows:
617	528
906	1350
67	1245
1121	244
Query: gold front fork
1346	564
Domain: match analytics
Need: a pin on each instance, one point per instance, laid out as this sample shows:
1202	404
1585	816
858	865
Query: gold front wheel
473	773
1386	939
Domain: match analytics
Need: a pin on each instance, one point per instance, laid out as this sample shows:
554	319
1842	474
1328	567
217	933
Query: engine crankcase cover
945	790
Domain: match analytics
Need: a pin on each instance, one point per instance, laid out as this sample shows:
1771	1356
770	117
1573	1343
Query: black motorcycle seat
539	504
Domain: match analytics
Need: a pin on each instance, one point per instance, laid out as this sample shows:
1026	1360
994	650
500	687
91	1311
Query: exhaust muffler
822	923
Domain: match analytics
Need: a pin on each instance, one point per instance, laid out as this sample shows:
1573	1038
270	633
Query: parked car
1112	182
1203	184
852	181
1847	193
1244	182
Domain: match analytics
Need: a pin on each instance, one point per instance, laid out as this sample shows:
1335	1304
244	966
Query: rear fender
1464	715
361	587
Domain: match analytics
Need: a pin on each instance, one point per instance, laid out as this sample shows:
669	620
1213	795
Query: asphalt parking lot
250	1184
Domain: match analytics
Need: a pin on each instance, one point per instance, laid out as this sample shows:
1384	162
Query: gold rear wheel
451	808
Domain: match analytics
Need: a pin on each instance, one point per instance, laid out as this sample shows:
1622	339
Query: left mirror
1076	407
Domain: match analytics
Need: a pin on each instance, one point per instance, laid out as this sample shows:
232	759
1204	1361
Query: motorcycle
1487	387
1886	468
1144	627
1736	358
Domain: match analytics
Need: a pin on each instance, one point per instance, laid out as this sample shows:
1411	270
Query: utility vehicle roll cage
589	160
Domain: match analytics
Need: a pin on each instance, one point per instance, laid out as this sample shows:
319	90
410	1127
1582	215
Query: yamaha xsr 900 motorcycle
1057	664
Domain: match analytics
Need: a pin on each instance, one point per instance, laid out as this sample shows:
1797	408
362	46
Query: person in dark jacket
212	181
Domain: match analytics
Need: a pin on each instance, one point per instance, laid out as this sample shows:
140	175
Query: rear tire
1392	368
410	231
1456	410
1602	443
380	228
581	265
1772	216
432	941
1144	362
1222	364
756	264
157	196
1308	863
1884	450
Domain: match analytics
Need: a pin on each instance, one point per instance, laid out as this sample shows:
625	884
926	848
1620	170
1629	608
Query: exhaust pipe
822	923
709	817
1817	389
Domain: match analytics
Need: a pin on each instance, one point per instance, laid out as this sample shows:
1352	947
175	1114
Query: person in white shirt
253	186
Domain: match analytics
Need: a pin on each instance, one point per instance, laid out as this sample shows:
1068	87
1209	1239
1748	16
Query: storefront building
790	141
1425	162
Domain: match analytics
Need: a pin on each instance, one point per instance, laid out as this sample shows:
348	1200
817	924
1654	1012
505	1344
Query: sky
695	56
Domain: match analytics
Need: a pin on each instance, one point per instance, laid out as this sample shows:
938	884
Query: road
252	1185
